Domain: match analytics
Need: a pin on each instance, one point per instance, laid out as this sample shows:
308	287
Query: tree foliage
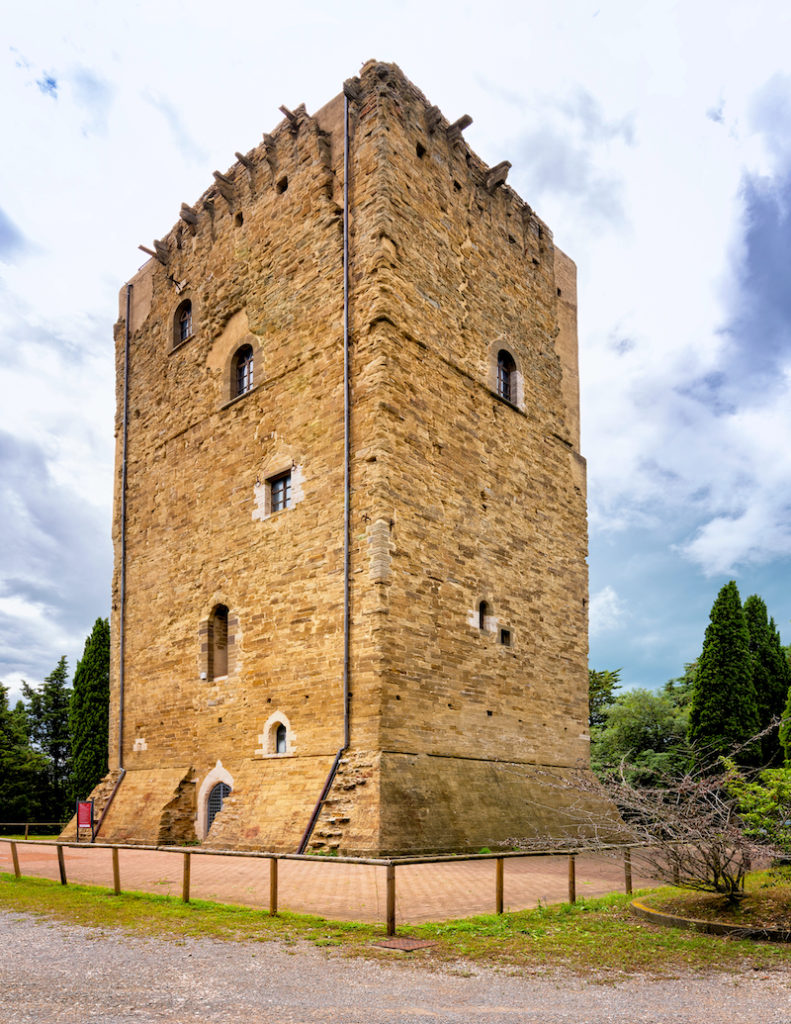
21	767
763	803
89	711
48	730
723	717
643	733
601	692
771	675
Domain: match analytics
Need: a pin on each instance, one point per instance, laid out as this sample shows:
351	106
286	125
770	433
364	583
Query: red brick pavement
347	892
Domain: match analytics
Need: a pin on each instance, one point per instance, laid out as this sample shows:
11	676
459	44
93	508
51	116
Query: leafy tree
764	804
48	717
723	715
601	692
644	732
771	675
679	690
89	712
20	767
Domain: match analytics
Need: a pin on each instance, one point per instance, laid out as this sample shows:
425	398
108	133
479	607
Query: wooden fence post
116	873
15	859
391	899
273	885
498	902
627	869
27	829
185	883
61	865
572	878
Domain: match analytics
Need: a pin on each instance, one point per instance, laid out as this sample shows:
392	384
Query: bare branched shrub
685	831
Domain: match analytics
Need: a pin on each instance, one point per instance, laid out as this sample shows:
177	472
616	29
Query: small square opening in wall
505	637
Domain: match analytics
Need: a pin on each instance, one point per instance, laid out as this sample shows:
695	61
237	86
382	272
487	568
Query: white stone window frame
263	489
518	380
491	623
217	774
268	737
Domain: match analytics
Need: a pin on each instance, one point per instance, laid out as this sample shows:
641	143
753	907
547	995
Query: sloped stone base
436	804
270	804
154	807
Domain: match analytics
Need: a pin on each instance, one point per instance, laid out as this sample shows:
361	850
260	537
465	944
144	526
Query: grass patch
767	903
598	937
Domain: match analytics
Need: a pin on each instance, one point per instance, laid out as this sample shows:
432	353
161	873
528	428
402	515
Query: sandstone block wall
457	496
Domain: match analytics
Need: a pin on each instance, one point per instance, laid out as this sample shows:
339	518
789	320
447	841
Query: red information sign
85	814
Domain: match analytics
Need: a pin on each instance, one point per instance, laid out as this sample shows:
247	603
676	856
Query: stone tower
429	690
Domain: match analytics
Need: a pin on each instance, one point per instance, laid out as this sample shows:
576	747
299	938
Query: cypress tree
770	674
724	710
89	711
785	728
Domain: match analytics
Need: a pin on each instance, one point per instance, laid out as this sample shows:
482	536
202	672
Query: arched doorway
215	802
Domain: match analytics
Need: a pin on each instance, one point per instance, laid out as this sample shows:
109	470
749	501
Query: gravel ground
51	972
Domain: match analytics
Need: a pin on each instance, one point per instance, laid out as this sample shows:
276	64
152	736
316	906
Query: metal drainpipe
346	427
122	594
122	585
346	486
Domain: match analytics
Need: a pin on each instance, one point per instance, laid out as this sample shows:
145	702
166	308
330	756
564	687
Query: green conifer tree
770	674
785	728
724	710
89	711
48	717
21	767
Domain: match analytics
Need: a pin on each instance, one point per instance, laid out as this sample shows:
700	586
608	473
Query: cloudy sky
653	137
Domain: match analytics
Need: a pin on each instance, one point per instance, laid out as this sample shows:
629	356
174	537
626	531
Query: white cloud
607	611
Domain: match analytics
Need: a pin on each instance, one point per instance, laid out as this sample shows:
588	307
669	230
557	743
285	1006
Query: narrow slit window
182	323
483	611
506	376
218	643
280	739
243	371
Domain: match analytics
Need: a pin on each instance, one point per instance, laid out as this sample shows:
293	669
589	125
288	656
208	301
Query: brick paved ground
424	892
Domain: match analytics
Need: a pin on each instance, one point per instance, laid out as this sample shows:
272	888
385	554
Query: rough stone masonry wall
484	498
261	264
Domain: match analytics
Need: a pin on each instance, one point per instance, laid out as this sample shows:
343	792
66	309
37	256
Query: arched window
182	323
483	611
215	802
280	739
242	371
218	642
506	376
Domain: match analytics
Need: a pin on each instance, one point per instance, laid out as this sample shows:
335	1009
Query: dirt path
70	975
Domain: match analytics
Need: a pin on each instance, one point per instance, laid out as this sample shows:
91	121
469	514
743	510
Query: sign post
84	818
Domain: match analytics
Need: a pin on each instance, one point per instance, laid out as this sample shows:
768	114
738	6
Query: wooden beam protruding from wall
497	175
225	186
291	117
188	214
455	130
